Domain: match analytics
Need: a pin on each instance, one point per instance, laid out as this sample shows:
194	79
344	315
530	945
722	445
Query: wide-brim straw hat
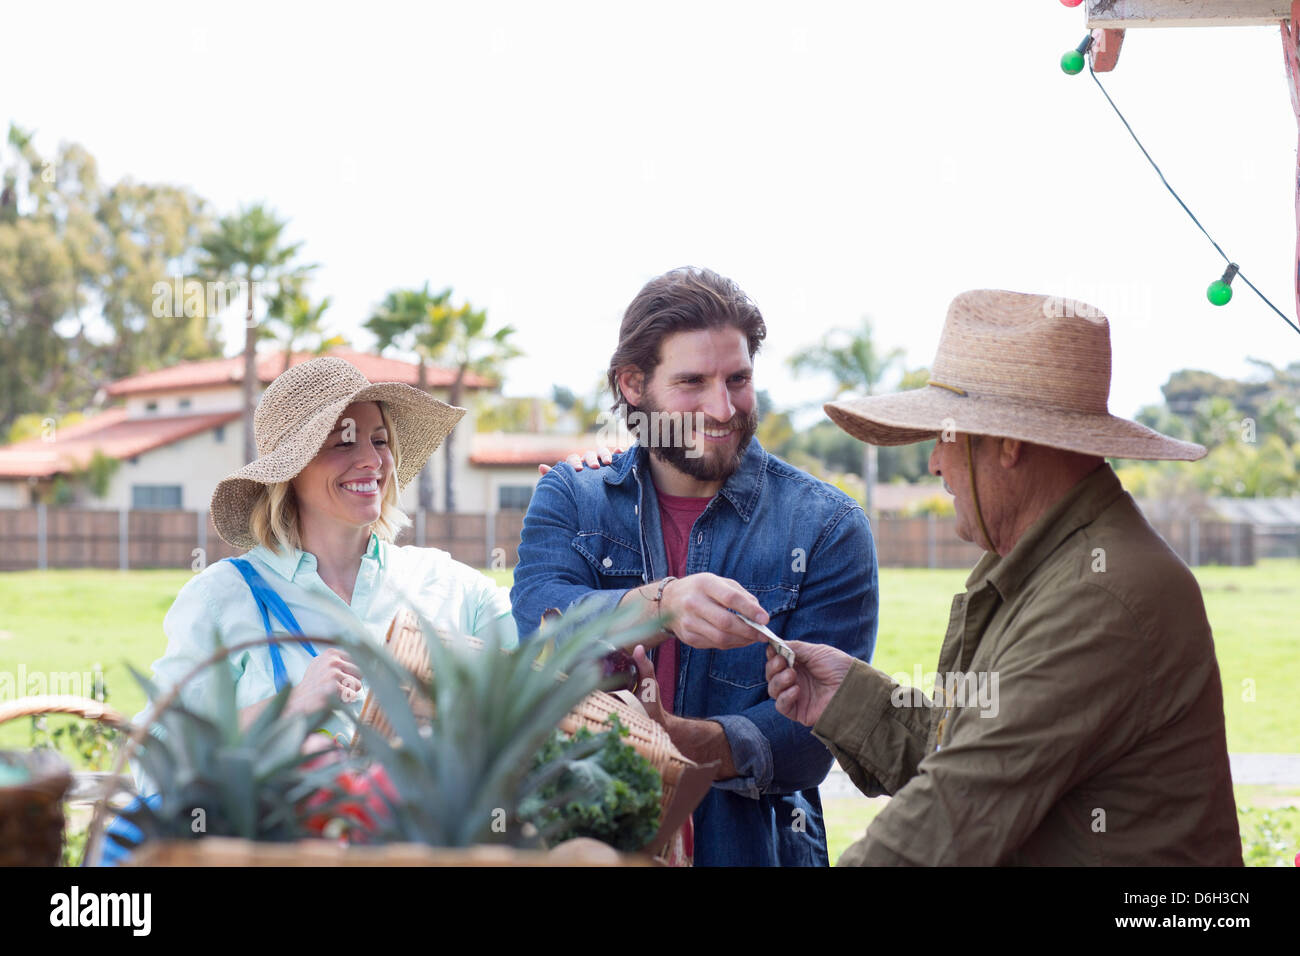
295	415
1012	365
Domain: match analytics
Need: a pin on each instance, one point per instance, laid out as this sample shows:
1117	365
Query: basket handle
87	707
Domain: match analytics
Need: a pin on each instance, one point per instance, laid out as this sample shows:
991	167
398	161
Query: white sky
836	159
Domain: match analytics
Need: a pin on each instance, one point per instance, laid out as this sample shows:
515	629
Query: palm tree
247	247
300	319
585	409
851	358
405	319
472	349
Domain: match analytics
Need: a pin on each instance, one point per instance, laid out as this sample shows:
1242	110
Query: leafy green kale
599	787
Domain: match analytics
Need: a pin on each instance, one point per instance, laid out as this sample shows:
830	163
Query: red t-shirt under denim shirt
677	515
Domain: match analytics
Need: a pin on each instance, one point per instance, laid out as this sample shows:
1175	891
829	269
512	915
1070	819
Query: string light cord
1241	275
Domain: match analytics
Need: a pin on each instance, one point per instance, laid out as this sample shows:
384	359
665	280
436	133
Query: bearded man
696	521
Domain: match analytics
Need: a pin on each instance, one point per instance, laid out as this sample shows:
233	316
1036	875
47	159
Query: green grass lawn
1269	818
66	621
62	622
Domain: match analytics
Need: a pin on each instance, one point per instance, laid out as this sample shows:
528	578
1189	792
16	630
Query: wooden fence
930	542
44	537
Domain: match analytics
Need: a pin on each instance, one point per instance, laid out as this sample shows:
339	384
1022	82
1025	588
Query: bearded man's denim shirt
800	546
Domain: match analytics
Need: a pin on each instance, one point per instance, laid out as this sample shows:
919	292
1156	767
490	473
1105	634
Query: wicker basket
229	852
232	852
405	642
31	812
647	737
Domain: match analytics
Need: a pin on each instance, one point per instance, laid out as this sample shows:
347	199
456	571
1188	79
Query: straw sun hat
1011	365
295	415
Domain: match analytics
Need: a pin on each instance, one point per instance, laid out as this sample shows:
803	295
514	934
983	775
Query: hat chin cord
970	467
974	495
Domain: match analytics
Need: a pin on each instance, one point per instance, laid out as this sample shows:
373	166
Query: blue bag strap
113	853
266	597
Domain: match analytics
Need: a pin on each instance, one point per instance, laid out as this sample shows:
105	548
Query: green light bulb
1072	62
1219	292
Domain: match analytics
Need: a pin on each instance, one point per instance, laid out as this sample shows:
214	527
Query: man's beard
699	462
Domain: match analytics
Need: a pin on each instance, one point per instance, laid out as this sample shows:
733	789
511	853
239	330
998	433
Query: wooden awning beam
1291	55
1130	14
1105	49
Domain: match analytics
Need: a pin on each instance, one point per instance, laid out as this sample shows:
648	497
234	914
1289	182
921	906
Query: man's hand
802	692
704	741
647	688
701	606
593	459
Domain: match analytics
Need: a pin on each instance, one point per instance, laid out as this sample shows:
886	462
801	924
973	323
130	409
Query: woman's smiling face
346	480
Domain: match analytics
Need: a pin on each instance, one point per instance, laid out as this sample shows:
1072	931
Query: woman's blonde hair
273	520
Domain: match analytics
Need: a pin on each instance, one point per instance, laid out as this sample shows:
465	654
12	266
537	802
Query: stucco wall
13	494
169	403
196	464
199	462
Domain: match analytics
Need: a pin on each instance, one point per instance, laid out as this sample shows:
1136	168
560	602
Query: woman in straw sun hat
317	514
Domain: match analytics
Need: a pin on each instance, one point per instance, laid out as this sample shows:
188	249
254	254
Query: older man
1078	713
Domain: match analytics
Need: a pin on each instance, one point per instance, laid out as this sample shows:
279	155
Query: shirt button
607	562
699	538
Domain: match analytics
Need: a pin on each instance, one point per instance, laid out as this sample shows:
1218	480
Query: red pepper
363	805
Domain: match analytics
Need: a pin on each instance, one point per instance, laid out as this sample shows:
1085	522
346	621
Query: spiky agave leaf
246	781
419	780
493	711
578	648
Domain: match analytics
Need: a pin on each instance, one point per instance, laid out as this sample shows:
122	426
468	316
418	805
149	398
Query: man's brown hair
683	300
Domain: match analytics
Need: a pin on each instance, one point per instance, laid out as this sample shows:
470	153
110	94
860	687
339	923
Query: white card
782	648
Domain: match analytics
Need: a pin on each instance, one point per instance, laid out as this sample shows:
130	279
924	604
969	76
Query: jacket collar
288	565
742	489
1078	507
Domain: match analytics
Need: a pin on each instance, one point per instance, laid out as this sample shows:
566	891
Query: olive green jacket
1088	725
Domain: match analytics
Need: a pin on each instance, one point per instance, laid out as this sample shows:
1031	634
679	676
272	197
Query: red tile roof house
179	431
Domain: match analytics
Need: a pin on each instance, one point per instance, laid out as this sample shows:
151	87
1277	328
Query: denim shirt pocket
615	562
746	666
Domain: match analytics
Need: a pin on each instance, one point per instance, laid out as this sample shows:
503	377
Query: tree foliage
470	348
826	449
79	263
851	358
300	320
585	410
405	320
856	365
248	248
1251	429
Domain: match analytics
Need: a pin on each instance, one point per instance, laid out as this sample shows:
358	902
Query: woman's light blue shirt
218	603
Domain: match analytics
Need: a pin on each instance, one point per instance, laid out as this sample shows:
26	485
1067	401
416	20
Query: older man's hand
803	691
